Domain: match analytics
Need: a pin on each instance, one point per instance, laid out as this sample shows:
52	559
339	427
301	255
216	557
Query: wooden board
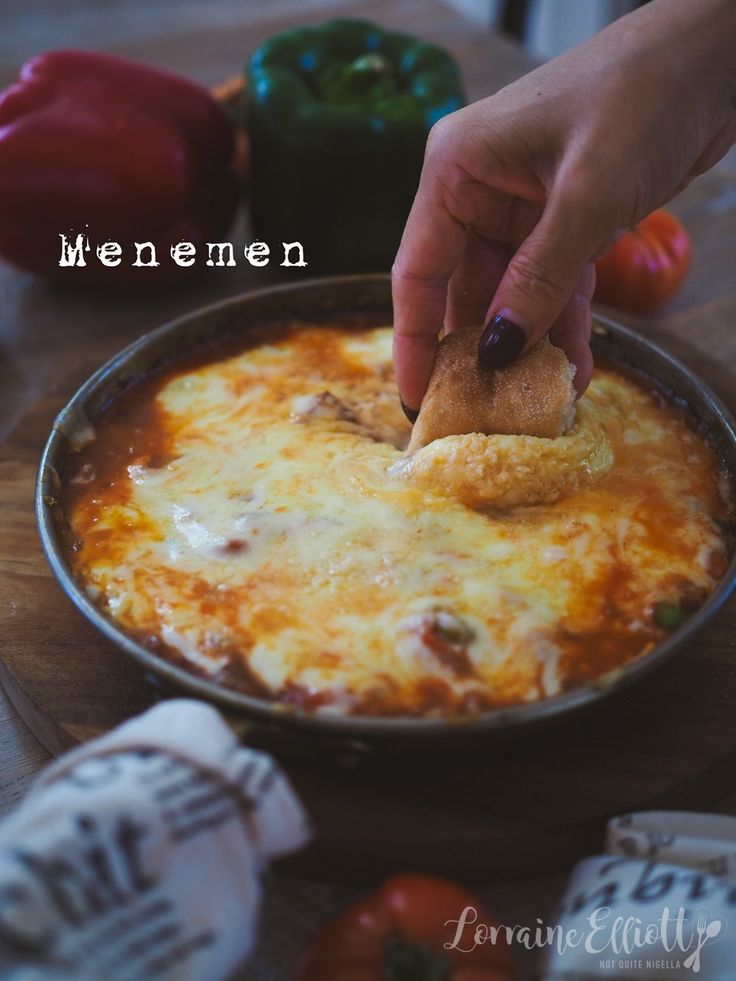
525	808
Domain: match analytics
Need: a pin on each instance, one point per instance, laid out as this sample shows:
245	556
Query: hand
520	192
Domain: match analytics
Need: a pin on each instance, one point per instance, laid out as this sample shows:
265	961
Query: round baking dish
369	296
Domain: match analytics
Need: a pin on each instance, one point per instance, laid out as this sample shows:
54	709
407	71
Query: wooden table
48	333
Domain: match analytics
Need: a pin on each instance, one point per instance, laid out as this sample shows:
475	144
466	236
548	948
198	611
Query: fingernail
500	343
411	414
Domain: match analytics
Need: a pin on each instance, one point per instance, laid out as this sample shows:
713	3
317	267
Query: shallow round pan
369	296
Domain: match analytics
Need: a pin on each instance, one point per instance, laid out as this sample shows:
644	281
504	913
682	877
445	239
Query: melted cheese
239	515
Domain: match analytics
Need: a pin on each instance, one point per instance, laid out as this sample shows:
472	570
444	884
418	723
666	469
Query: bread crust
534	396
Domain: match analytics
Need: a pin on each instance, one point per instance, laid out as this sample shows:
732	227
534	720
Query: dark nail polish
411	414
500	343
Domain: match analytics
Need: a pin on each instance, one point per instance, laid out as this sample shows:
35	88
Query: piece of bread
534	396
508	471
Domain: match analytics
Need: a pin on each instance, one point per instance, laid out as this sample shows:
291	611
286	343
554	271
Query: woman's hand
520	192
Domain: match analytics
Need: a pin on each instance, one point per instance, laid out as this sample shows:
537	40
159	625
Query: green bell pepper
339	117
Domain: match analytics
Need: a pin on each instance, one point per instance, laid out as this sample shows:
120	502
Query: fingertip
577	351
413	362
501	342
582	358
411	414
571	333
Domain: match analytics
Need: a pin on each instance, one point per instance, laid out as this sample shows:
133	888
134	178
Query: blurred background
545	27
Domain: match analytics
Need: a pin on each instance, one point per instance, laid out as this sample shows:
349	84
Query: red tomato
399	934
646	267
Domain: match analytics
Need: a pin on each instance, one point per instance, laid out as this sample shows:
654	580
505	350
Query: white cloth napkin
661	904
139	855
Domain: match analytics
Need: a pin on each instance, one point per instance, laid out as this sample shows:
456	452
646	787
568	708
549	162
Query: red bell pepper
118	150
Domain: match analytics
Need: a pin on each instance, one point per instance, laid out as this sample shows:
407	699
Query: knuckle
407	277
581	189
441	137
535	279
404	269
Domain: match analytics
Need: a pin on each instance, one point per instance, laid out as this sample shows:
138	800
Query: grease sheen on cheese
239	516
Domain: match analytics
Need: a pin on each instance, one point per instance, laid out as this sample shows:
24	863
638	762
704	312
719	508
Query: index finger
431	247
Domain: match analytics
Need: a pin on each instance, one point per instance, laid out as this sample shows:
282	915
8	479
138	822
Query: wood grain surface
524	809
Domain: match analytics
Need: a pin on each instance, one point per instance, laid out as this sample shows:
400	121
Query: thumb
539	280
